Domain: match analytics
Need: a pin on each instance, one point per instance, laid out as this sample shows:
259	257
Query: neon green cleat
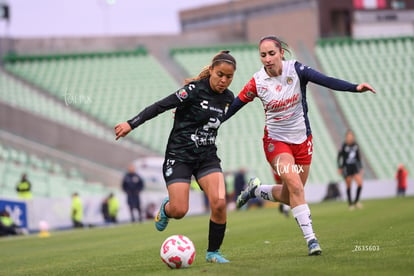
248	193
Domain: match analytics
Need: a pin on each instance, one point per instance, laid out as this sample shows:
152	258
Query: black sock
358	193
348	193
215	236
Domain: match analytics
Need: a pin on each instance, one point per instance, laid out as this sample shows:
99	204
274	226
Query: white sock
303	217
265	192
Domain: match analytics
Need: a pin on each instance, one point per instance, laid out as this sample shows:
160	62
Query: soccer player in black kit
200	106
350	167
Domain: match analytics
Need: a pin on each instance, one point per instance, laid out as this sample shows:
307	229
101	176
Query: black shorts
176	171
350	170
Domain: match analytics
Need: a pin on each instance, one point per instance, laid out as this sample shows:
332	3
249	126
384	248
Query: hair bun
225	52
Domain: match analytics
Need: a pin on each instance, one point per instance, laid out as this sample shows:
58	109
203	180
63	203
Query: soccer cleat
358	205
161	219
216	257
314	248
248	193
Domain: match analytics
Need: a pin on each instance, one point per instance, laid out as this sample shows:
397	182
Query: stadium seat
48	177
22	96
383	123
111	88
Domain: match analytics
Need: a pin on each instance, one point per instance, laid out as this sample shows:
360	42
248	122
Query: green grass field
258	242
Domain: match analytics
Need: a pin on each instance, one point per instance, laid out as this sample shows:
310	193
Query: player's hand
365	87
122	129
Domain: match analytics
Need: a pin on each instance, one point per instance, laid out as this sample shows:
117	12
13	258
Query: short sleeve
249	91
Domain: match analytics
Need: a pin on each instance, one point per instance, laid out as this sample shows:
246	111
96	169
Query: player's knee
177	211
218	206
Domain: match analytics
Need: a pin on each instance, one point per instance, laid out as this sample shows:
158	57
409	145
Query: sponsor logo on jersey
289	80
283	117
281	105
216	109
204	104
278	88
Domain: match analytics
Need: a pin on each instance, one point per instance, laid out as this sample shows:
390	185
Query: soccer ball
177	251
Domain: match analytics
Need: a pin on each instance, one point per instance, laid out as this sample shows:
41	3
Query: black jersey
349	156
199	111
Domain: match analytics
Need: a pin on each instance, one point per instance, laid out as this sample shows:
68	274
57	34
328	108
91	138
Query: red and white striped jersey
283	102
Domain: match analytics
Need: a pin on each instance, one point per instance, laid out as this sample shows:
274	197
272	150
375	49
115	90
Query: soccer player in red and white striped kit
281	86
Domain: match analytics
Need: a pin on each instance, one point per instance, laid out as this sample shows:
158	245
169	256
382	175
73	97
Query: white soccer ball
177	251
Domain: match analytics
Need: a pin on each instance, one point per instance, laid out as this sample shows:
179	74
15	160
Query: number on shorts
310	150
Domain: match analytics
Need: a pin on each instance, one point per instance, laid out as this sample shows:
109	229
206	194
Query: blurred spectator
401	177
24	188
333	192
195	187
150	210
239	182
77	211
230	192
132	184
7	225
105	210
110	208
113	206
284	209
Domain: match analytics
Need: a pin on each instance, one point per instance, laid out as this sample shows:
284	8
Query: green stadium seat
118	87
22	96
383	123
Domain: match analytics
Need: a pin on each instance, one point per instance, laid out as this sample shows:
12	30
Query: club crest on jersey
168	172
250	94
182	94
289	80
270	147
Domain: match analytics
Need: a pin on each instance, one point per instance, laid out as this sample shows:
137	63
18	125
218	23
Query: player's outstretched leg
161	219
248	193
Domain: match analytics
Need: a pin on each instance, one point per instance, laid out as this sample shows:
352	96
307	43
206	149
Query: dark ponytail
222	56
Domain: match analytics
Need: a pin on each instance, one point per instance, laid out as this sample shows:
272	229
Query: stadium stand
112	87
23	96
383	124
48	177
245	148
